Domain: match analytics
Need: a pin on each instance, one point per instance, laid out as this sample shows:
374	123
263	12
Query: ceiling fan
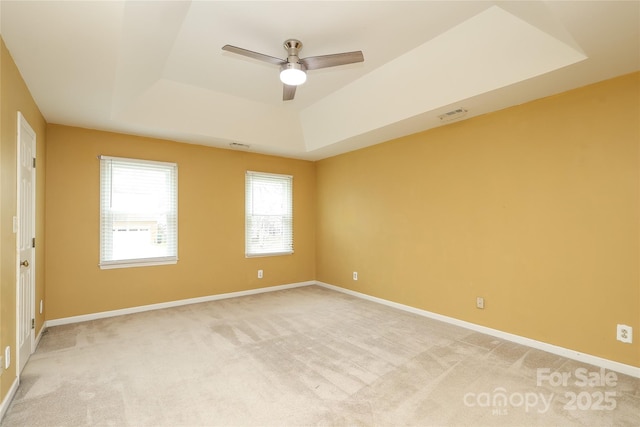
293	70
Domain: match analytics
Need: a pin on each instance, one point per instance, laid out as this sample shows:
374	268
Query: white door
26	240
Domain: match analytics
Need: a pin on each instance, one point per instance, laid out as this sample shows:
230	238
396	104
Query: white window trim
139	262
267	254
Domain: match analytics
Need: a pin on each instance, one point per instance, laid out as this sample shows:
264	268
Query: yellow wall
535	208
210	224
16	97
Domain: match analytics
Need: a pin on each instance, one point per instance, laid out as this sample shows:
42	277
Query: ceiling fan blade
325	61
254	55
288	92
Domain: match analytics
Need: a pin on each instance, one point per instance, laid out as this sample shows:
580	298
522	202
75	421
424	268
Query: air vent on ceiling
239	146
453	115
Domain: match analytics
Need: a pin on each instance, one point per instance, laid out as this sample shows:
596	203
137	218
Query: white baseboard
554	349
159	306
550	348
9	397
38	337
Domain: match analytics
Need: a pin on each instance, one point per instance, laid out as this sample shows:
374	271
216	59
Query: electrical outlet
355	275
624	333
480	302
260	274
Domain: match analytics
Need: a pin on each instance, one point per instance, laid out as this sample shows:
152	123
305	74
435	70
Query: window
138	212
269	214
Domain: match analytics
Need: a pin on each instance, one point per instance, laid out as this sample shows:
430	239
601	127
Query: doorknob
25	263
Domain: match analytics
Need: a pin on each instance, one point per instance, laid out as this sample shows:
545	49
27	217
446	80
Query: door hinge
33	323
34	162
33	242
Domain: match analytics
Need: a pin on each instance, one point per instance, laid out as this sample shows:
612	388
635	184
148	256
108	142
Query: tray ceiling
157	68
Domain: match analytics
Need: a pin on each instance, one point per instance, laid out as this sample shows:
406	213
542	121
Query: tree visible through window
269	214
138	212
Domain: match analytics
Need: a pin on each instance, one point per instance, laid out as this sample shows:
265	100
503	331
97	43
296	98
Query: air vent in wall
453	115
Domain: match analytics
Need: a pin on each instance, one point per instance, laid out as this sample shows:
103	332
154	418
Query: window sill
129	263
268	254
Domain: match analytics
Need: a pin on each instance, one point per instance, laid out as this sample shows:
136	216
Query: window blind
269	214
138	212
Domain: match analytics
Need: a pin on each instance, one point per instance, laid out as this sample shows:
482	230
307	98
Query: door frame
24	124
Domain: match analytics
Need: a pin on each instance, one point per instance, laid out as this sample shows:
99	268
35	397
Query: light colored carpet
303	357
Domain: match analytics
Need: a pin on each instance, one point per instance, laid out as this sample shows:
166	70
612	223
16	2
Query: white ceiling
156	68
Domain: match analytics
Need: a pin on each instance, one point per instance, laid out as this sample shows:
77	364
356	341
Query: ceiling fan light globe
293	76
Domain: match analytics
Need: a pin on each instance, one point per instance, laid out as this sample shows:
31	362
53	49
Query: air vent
453	115
239	146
